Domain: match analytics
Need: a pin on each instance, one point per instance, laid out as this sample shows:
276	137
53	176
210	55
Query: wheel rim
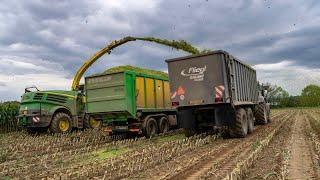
64	125
94	123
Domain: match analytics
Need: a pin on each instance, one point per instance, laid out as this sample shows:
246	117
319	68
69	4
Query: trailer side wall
126	92
106	93
243	82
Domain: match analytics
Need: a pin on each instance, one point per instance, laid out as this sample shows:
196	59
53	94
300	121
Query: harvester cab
264	90
31	89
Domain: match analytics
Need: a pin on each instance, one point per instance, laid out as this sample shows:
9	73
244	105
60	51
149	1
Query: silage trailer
129	101
215	90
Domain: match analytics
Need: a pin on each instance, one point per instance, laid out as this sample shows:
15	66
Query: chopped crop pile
136	69
180	44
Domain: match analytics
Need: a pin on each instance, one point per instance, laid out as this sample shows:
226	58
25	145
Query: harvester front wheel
240	128
151	128
61	123
164	125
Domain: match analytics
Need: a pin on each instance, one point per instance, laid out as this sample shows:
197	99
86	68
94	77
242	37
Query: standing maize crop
8	113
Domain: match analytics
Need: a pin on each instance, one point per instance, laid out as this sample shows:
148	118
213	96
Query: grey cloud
299	46
69	32
2	84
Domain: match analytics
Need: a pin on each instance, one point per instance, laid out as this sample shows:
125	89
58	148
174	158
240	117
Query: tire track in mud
234	165
271	162
302	163
194	164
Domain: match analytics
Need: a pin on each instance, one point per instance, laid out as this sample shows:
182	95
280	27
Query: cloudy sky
43	42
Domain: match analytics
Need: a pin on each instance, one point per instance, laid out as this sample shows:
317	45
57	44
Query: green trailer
129	101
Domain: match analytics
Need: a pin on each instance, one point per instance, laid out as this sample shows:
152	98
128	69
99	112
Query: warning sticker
219	91
181	91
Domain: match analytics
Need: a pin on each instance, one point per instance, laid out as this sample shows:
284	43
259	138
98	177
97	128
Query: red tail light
175	104
218	99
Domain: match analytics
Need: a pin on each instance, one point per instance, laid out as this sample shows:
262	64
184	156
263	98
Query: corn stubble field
288	147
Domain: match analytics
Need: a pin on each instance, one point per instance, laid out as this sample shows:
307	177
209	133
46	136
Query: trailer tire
151	128
268	111
261	114
250	120
92	123
164	125
240	128
188	132
61	123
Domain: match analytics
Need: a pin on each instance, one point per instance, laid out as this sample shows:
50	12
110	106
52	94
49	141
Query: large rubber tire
269	114
151	128
261	114
91	123
55	126
250	118
240	128
188	132
164	125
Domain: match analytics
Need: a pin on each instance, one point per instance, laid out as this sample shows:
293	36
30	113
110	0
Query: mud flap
186	119
224	116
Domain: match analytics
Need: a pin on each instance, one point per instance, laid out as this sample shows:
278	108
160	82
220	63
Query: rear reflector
36	119
107	129
134	130
175	104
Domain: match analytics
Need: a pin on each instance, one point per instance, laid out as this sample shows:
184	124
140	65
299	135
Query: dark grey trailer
214	90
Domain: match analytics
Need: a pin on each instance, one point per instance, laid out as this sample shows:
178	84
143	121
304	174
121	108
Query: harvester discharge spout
179	45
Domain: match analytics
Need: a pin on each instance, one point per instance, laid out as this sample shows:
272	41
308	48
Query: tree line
309	97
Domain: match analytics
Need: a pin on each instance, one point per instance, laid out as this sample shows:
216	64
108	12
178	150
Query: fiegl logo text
194	73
